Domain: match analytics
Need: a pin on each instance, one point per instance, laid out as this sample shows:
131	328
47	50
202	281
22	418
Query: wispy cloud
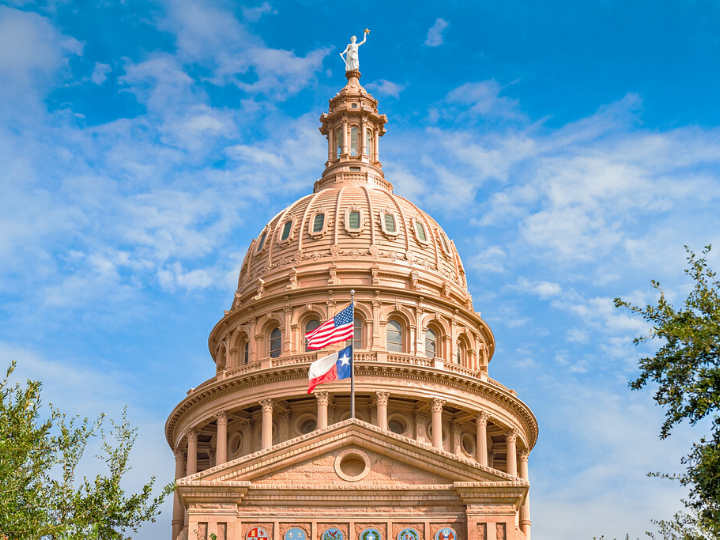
435	34
387	88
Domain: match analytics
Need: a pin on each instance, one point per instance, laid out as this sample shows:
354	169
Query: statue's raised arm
352	62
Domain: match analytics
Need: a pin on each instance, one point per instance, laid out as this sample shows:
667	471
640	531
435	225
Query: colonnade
186	463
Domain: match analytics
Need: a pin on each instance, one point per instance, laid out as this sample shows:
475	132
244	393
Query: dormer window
286	231
317	226
445	244
389	223
261	243
354	220
354	139
318	223
420	229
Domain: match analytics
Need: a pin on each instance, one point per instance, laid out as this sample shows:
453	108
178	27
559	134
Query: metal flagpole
352	359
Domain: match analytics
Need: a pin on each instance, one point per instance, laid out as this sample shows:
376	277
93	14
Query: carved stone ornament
511	435
293	278
192	435
446	289
222	418
322	398
437	404
374	251
381	398
260	289
415	280
267	404
375	271
524	455
482	418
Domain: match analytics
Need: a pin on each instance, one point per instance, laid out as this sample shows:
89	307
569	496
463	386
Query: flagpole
352	359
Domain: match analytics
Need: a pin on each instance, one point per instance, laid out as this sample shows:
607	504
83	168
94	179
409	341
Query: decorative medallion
445	533
295	534
408	534
333	534
370	534
257	533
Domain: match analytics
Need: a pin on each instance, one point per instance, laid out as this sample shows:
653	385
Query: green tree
686	370
40	496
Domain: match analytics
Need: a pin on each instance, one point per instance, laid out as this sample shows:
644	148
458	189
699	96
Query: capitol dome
256	453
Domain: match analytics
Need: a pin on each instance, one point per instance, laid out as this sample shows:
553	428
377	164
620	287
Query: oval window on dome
318	223
389	223
286	231
261	243
420	229
354	220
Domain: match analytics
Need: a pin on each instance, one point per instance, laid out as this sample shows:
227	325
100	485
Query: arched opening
430	343
338	142
246	353
369	141
275	342
358	334
309	327
394	336
354	150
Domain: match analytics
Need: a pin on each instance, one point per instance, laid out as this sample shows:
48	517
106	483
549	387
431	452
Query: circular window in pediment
352	464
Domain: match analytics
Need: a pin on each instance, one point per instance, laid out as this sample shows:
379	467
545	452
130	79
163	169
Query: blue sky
570	149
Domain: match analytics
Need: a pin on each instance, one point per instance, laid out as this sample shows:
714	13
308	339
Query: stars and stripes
339	328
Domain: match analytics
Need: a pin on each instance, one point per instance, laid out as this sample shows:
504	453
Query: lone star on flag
345	359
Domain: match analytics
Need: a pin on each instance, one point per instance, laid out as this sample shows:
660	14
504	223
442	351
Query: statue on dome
352	62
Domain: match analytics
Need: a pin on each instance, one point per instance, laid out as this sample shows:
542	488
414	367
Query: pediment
352	453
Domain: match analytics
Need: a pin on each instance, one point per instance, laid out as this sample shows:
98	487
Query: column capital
179	454
245	423
524	455
381	398
222	418
192	435
419	415
482	417
437	404
284	416
511	435
267	404
322	397
455	425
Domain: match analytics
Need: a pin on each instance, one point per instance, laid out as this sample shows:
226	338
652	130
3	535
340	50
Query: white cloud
387	88
434	35
100	73
483	99
253	14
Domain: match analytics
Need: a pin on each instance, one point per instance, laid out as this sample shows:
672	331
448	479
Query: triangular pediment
352	453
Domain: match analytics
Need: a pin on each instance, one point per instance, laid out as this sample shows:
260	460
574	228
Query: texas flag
331	368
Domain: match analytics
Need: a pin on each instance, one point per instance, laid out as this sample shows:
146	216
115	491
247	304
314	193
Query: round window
352	464
429	431
307	426
397	425
468	445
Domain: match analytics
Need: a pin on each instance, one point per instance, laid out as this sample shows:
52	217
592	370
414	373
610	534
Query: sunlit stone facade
438	449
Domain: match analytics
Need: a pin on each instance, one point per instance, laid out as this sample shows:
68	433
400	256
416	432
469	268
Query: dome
348	230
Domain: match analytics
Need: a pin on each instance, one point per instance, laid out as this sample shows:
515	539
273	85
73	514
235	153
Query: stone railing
360	357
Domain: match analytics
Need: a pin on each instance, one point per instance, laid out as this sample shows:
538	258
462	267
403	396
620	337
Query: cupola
353	127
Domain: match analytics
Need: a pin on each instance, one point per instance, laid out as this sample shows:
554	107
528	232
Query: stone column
376	337
420	420
191	467
252	343
331	144
192	438
525	508
287	338
267	418
381	400
372	409
376	150
437	409
284	425
221	447
456	442
346	135
511	439
322	409
178	519
481	442
420	334
363	134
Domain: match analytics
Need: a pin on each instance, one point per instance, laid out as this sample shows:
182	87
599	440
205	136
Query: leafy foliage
40	496
686	369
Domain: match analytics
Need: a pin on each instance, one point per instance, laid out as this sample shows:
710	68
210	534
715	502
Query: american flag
339	328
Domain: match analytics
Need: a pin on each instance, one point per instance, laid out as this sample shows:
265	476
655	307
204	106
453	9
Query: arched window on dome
261	243
275	342
430	343
394	336
246	353
354	140
318	222
309	327
287	227
354	219
358	334
369	142
338	142
459	357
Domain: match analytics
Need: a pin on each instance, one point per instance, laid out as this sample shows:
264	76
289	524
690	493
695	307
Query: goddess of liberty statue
352	62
